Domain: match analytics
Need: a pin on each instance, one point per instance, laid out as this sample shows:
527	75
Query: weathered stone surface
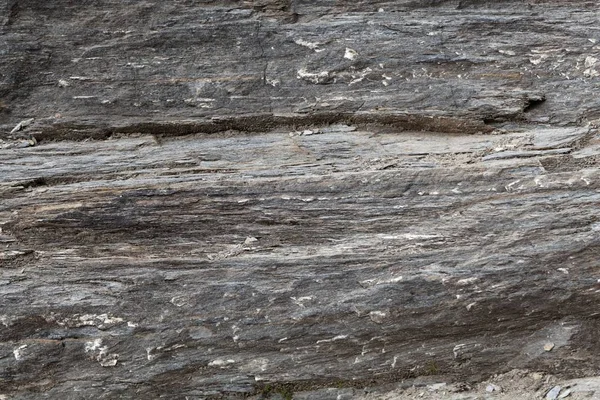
374	256
310	198
108	65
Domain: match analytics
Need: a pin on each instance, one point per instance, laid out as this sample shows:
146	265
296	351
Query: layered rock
219	199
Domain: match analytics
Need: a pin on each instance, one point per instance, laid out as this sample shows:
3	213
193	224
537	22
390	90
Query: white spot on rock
334	339
220	363
553	393
492	388
378	316
18	352
590	61
537	60
300	300
5	320
590	67
309	132
109	360
76	320
102	356
314	77
150	356
507	52
310	45
105	318
350	54
178	301
93	345
511	185
466	281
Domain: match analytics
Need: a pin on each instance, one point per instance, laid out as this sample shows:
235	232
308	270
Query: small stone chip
564	394
109	361
436	386
22	125
493	388
350	54
553	393
549	346
308	132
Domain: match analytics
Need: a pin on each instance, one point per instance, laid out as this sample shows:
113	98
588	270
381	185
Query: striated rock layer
211	199
107	65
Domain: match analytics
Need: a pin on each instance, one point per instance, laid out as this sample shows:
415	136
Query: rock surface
296	198
111	66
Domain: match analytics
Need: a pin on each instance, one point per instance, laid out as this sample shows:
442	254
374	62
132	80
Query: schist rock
216	199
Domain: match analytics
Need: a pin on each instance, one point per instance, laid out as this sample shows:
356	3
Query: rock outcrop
210	199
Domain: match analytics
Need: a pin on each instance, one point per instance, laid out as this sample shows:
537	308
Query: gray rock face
288	197
108	65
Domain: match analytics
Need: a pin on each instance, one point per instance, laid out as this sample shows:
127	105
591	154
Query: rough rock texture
113	65
295	198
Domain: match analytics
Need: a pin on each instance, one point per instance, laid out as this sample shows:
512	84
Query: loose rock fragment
109	360
553	393
26	143
18	352
350	54
22	124
565	394
377	316
493	388
308	132
436	386
549	346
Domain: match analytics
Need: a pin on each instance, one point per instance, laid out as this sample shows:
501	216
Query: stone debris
18	144
548	346
492	388
565	393
436	386
350	54
21	125
553	393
